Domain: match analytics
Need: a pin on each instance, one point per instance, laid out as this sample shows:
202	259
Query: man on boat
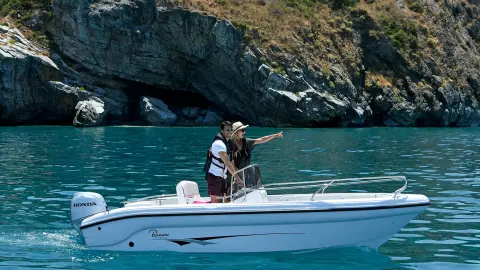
218	163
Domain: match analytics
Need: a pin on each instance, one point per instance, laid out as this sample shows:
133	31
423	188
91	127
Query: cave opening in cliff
331	123
178	99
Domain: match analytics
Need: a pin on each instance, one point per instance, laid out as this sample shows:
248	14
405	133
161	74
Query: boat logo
155	234
84	204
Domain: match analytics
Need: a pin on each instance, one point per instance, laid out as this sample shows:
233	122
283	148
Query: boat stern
83	205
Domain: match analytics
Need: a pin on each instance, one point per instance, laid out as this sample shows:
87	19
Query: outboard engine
85	204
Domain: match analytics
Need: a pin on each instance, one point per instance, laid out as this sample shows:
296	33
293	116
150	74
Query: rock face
116	104
156	113
194	116
181	50
66	99
209	119
22	72
60	101
90	113
128	44
30	90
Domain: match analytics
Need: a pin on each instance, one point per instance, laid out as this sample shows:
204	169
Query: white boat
252	221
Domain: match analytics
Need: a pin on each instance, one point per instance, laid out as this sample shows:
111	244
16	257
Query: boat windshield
246	178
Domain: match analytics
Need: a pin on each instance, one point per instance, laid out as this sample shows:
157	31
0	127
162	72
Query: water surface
42	167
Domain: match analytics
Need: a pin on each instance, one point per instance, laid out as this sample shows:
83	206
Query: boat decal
156	234
240	235
204	240
180	242
289	211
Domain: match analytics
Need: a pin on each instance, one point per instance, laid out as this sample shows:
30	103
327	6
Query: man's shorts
216	185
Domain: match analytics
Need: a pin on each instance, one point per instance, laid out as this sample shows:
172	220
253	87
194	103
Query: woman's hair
244	143
235	135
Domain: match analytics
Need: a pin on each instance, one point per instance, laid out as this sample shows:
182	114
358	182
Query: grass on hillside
23	10
15	13
319	32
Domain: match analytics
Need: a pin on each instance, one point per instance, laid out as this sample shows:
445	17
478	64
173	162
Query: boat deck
272	198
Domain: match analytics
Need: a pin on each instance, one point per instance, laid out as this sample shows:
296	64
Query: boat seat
188	193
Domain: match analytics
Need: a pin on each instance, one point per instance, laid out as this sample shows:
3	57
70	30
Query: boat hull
244	229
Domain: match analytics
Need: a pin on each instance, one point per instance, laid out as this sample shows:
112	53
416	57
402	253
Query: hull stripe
256	213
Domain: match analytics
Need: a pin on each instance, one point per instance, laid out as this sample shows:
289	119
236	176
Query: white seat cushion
187	192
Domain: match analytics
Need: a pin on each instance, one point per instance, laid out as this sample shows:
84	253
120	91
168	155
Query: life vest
211	159
245	155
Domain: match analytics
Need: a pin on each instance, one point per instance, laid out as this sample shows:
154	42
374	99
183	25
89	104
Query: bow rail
324	184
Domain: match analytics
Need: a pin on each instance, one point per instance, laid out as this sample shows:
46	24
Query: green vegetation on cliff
23	10
27	15
322	33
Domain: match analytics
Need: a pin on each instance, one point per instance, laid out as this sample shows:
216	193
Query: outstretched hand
279	135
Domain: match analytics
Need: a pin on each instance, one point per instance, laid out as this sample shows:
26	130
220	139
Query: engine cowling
85	204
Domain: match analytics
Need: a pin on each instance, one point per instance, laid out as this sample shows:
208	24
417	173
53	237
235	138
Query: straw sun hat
238	126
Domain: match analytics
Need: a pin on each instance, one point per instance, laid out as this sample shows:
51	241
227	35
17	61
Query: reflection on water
42	167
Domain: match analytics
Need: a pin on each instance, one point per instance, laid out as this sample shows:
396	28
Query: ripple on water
142	189
324	174
466	238
115	197
69	193
446	210
418	229
457	174
441	265
98	188
419	221
406	235
312	171
441	242
463	220
314	150
458	192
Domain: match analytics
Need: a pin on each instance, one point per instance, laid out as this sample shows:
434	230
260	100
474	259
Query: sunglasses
242	130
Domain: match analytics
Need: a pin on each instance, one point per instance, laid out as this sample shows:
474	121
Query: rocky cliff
390	63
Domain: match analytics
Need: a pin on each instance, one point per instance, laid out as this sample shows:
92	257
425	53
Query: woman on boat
242	147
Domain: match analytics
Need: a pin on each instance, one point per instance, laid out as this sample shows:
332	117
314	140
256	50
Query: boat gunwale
280	211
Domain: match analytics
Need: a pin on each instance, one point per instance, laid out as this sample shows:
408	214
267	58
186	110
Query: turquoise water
42	167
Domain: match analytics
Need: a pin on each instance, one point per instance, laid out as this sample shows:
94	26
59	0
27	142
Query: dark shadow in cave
175	99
